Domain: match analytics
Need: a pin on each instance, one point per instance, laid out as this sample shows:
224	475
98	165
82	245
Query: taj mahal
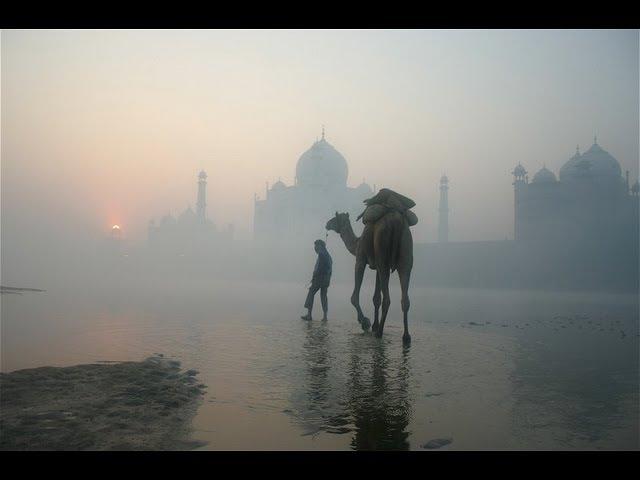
578	228
300	211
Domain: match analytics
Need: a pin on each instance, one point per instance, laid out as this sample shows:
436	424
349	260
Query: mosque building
191	230
590	201
300	211
578	230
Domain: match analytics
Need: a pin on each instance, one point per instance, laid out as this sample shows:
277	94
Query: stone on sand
437	443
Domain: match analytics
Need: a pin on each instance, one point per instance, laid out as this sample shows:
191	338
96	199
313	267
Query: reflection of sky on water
577	393
488	369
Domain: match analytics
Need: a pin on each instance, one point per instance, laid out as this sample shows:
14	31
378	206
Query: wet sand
147	405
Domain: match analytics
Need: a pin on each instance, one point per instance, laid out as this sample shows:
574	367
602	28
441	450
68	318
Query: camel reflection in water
378	396
366	396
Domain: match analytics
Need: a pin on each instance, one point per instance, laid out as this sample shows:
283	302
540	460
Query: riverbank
145	405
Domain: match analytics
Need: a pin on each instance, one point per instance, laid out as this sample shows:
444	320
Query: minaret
520	179
201	204
443	211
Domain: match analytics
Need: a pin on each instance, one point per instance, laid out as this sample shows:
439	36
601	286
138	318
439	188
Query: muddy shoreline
146	405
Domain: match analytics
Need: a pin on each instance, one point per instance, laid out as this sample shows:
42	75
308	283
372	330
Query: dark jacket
322	270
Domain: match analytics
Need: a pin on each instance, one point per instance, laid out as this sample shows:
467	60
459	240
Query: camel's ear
336	213
347	214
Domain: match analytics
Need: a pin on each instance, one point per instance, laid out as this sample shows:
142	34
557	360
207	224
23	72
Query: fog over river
486	369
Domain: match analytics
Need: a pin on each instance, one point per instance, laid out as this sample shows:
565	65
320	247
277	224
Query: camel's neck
349	238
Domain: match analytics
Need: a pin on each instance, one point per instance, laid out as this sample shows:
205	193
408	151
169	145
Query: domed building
192	231
591	201
302	210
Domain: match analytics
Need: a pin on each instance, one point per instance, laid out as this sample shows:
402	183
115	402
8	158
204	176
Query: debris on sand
144	405
437	443
474	323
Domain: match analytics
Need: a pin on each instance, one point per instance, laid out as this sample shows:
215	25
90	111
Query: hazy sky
103	127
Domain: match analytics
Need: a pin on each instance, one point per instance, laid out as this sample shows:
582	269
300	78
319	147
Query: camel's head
338	222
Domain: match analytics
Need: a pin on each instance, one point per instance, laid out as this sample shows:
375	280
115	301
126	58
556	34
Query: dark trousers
308	303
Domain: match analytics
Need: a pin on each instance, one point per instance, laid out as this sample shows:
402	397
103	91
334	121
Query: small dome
202	175
519	171
322	165
187	213
544	175
364	188
444	179
188	217
278	186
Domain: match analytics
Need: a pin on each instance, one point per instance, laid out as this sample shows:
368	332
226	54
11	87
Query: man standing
320	280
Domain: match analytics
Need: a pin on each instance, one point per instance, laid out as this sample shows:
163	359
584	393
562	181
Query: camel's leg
376	303
405	275
355	297
386	300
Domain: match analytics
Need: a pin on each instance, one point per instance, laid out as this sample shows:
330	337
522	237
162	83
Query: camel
387	246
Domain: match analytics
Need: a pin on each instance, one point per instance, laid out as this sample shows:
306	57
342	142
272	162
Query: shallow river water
486	369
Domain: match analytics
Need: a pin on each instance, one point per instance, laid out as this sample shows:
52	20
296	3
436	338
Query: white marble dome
322	165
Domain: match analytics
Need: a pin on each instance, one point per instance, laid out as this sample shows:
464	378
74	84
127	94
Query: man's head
319	245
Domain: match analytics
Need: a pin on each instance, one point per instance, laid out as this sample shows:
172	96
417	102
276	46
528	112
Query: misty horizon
111	127
163	193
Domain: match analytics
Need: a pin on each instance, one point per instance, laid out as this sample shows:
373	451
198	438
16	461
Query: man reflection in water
320	280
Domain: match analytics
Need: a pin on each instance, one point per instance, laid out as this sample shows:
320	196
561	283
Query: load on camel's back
386	201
